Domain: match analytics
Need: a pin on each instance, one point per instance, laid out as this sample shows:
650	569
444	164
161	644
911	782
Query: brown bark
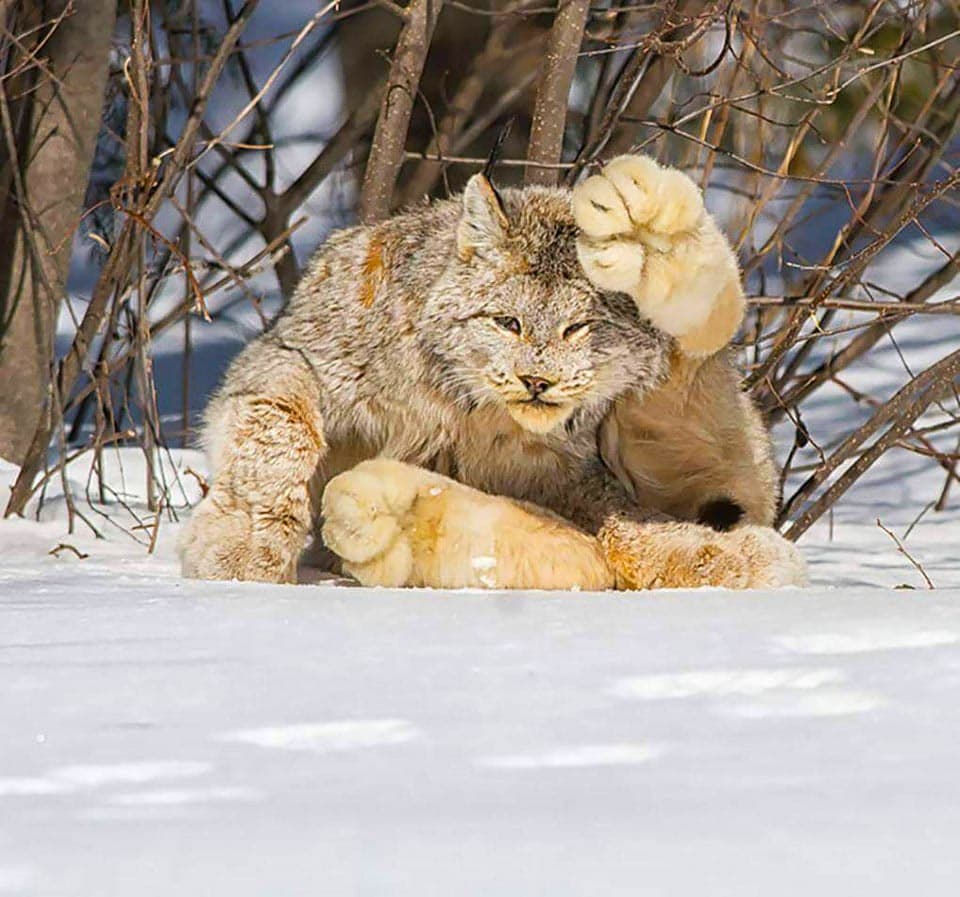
49	137
123	254
550	111
389	139
900	412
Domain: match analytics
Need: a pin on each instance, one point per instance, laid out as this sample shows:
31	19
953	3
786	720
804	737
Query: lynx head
514	320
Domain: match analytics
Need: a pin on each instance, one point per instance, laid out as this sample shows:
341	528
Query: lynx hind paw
634	195
363	511
774	561
681	555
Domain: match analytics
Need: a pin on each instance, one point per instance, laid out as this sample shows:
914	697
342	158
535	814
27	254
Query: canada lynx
526	390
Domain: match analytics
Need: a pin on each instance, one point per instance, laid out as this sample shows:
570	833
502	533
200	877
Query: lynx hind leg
645	232
253	523
398	525
694	447
685	555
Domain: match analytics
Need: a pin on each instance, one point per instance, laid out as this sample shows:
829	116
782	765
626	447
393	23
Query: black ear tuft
720	514
484	225
497	149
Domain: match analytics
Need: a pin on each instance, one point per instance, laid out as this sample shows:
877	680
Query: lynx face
515	321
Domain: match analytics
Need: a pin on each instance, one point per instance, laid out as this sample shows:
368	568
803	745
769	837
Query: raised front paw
632	209
635	195
686	555
644	231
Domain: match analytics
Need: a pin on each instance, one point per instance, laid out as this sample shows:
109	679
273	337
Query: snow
168	737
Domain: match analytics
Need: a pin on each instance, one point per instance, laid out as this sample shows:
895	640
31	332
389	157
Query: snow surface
168	737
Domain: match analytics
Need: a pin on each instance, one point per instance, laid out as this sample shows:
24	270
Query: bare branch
902	409
556	76
907	555
389	138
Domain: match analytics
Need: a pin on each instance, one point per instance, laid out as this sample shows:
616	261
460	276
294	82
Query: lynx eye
574	329
507	323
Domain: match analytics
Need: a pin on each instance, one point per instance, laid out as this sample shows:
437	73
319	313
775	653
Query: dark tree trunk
51	112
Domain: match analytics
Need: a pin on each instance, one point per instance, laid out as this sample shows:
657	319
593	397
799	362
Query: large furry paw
634	196
644	231
223	540
393	524
365	513
685	555
634	207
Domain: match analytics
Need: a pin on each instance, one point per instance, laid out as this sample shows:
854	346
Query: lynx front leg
645	232
255	520
398	525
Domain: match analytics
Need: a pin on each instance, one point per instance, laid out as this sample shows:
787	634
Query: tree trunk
50	119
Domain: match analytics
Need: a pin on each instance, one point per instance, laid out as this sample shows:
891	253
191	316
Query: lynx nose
535	385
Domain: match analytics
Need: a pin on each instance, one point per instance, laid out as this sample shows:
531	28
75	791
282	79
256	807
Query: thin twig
907	555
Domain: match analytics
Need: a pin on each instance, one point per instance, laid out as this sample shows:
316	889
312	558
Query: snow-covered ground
163	737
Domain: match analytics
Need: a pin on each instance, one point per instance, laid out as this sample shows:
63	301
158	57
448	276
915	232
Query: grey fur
426	340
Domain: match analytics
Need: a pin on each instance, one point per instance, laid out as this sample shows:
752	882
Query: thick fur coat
526	390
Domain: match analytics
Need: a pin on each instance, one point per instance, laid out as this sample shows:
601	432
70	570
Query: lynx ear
483	226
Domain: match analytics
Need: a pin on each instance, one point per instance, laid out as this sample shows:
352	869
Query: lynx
518	389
